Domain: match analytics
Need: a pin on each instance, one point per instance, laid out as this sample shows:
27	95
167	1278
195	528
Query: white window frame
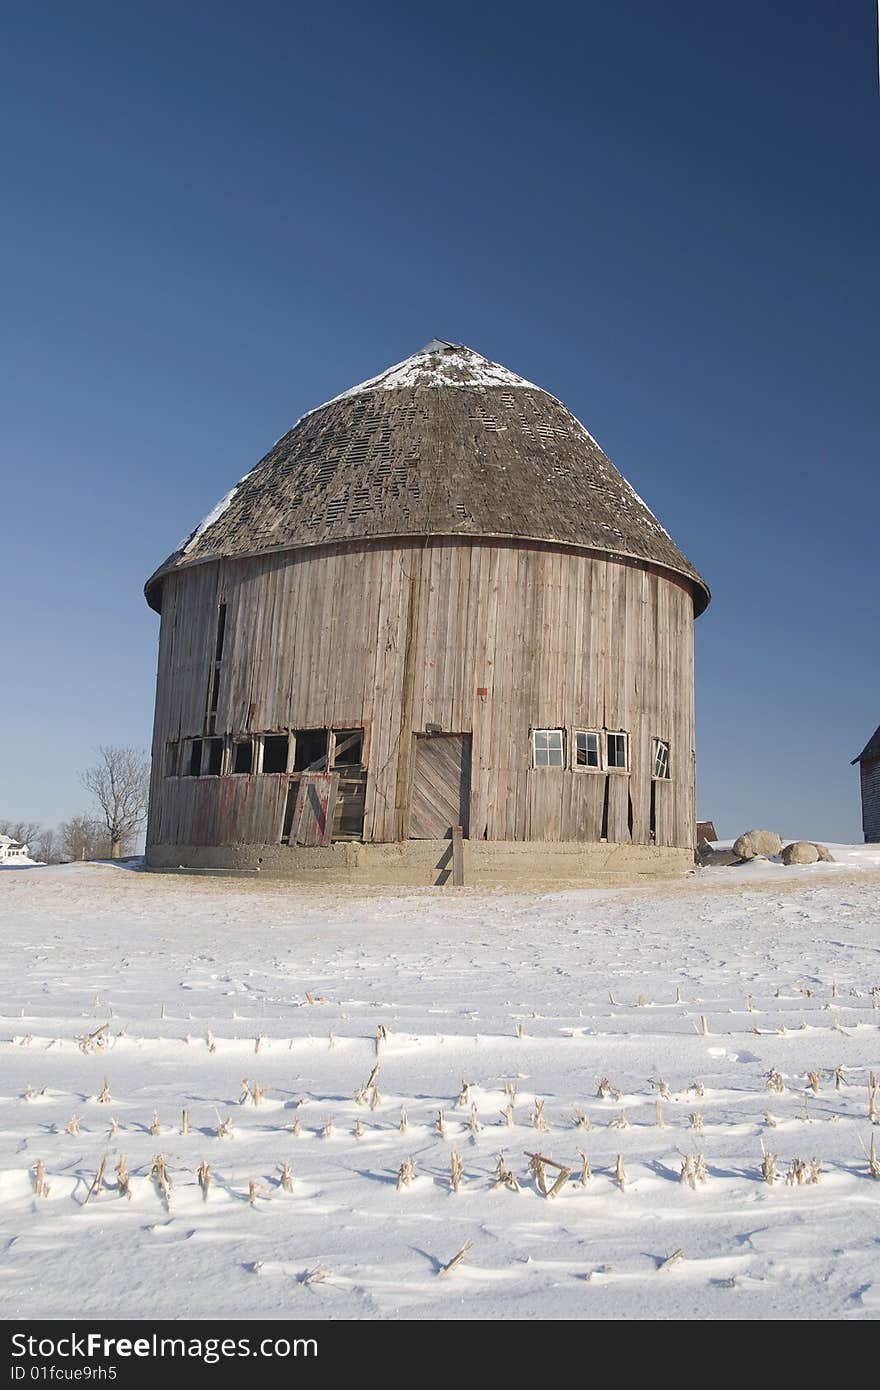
546	766
656	745
599	736
609	766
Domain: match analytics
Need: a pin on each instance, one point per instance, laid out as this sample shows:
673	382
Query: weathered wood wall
393	637
870	780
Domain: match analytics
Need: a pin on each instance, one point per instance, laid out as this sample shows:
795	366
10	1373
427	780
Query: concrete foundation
487	863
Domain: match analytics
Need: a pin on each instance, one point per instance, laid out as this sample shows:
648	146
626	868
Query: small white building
11	852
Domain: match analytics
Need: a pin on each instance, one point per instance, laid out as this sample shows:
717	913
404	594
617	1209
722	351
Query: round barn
435	603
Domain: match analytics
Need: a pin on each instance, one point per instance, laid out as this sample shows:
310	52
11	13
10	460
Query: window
661	758
242	755
617	756
221	632
214	679
548	748
213	700
289	809
214	759
587	749
172	759
311	750
347	759
193	765
348	747
275	748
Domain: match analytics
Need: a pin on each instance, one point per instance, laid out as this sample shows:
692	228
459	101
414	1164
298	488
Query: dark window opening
605	809
275	752
221	632
215	696
348	815
194	764
618	752
243	756
172	755
311	750
215	756
289	809
214	678
349	748
652	826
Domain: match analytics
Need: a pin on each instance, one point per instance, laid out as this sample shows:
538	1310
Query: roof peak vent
439	345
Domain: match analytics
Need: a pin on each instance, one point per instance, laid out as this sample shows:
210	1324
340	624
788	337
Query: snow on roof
527	434
213	515
438	363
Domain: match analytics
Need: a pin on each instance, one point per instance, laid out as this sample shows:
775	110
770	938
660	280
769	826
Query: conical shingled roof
446	443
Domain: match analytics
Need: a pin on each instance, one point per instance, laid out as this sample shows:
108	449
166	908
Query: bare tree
119	783
83	837
25	832
44	846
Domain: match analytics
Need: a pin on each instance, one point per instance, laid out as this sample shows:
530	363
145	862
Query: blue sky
213	217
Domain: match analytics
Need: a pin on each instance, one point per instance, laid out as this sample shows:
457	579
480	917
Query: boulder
757	842
824	853
710	858
800	852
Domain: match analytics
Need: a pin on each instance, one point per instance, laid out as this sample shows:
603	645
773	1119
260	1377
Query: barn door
441	786
313	808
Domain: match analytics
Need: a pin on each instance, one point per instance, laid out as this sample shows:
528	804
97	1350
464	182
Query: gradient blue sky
215	216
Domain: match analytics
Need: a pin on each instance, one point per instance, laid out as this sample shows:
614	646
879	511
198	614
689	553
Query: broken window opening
661	758
548	748
289	808
213	696
275	749
588	749
348	815
221	632
172	758
213	757
605	803
348	748
310	753
243	755
194	760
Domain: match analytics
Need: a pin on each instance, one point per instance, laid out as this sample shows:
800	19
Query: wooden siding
396	637
870	779
466	460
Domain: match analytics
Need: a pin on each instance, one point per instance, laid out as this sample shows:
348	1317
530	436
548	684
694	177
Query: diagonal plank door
315	807
441	788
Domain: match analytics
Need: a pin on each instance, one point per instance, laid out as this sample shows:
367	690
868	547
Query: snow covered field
705	987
